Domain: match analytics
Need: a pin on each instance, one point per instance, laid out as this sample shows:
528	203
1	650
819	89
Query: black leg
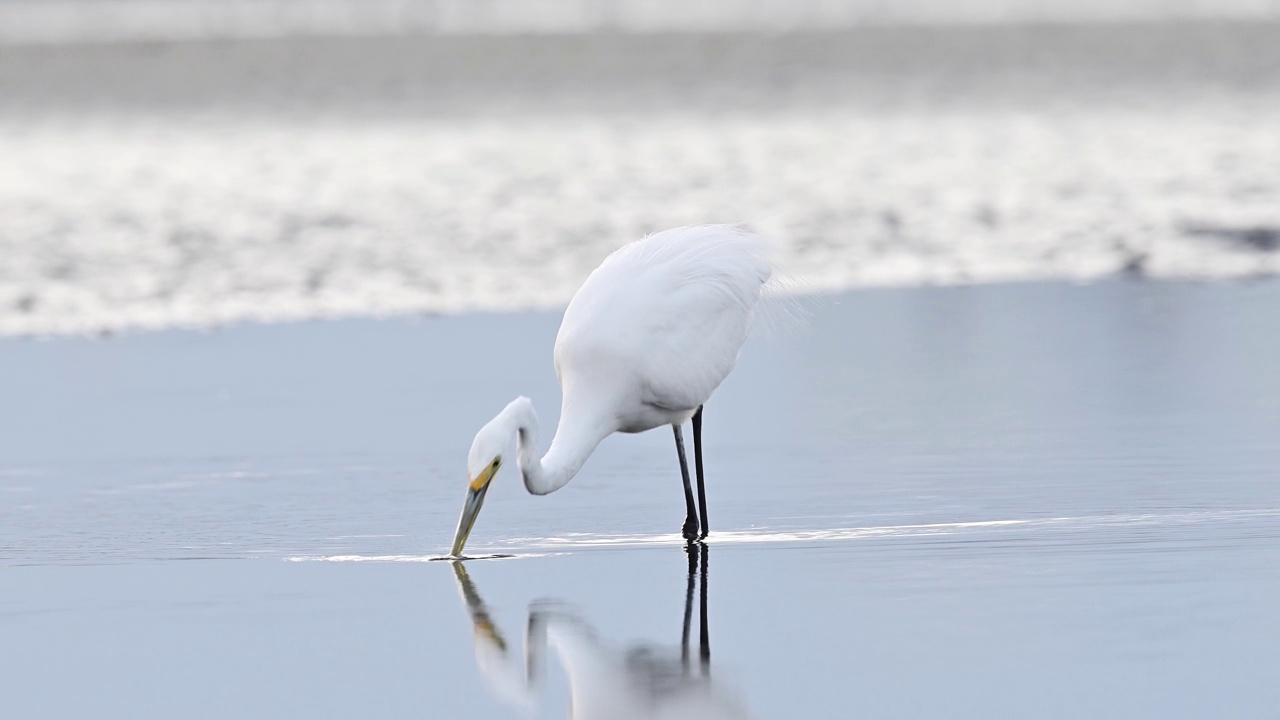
690	518
704	636
697	462
692	550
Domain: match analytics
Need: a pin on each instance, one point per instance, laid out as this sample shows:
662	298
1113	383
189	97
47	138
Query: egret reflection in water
606	681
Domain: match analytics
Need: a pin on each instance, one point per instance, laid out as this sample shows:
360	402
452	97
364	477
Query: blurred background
199	162
1044	486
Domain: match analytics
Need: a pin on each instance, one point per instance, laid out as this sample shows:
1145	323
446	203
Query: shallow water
834	630
1034	500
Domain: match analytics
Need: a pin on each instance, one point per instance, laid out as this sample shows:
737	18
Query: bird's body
644	343
658	326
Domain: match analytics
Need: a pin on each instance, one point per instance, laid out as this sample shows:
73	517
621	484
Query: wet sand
1046	499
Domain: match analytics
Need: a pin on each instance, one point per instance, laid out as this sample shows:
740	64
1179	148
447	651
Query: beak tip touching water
470	511
456	551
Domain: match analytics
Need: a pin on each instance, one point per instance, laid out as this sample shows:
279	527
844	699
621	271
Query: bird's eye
496	462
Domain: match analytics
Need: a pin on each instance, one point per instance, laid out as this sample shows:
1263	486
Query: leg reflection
606	680
697	577
692	551
704	637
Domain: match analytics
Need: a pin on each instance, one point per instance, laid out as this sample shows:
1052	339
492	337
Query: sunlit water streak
413	558
1106	524
1100	532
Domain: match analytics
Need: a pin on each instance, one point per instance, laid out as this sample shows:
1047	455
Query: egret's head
482	465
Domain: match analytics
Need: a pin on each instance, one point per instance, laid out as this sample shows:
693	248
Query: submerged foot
690	531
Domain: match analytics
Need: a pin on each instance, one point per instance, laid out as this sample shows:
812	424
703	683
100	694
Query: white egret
643	343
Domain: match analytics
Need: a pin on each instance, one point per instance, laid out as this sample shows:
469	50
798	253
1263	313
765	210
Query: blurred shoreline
192	184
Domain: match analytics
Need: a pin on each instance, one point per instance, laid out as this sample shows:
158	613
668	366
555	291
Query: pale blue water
1023	500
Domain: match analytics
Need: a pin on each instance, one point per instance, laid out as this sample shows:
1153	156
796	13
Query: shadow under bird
606	681
644	343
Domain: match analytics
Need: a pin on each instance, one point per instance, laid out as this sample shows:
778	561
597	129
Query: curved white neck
576	438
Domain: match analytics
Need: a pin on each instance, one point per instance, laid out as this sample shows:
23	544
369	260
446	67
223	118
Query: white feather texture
660	323
645	341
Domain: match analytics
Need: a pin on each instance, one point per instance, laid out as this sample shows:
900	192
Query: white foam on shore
152	222
65	21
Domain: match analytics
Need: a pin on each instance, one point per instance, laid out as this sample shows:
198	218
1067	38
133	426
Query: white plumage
658	326
644	342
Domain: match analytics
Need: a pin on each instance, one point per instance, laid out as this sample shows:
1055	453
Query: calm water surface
1029	500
